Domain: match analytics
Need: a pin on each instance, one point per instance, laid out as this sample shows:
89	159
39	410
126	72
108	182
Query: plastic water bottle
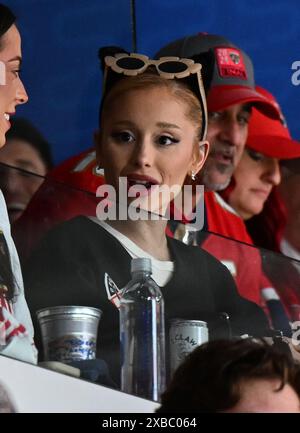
142	334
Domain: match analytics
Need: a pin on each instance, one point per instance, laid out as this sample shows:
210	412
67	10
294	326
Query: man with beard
229	81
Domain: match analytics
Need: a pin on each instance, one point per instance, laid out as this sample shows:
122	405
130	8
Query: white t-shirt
162	271
21	348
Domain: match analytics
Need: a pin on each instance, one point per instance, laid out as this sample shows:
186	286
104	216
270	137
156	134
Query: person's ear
199	157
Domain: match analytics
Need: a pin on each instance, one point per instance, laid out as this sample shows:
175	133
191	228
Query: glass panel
80	264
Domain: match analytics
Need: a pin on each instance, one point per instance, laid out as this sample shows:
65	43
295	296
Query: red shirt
68	191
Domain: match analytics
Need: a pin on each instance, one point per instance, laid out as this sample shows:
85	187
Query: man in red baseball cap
231	94
229	80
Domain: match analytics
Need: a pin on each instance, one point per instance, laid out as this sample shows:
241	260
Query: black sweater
69	265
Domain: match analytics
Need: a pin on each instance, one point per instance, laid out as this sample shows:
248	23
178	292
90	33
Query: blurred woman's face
255	177
147	137
13	92
18	186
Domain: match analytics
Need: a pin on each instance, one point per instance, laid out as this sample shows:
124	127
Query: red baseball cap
269	136
227	71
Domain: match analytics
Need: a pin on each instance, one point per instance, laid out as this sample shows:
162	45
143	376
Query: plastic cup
69	333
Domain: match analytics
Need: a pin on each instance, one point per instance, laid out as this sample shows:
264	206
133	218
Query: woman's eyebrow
124	123
15	59
167	125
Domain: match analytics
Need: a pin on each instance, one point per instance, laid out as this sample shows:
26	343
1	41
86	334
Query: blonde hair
150	80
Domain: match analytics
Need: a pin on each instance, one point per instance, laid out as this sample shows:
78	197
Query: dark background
61	39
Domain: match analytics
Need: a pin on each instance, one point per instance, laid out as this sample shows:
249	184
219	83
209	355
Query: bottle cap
141	264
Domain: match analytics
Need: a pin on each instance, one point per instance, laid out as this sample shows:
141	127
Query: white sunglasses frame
192	68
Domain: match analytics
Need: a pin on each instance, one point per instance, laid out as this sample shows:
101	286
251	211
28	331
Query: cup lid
69	309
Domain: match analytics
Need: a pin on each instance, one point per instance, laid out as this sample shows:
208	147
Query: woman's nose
144	154
273	174
21	94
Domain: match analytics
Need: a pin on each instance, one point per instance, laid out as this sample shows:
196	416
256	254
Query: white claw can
185	336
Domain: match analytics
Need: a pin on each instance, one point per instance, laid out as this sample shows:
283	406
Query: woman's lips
263	193
15	210
7	123
142	178
16	206
7	119
140	184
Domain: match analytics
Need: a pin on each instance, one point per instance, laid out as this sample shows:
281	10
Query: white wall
35	389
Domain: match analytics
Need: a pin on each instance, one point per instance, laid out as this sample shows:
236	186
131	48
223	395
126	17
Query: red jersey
68	191
240	256
243	261
223	220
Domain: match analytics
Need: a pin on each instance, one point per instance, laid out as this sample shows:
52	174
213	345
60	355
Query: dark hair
22	129
210	377
266	228
7	283
185	89
290	167
7	19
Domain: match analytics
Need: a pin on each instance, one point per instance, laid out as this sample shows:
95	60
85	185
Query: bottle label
185	336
